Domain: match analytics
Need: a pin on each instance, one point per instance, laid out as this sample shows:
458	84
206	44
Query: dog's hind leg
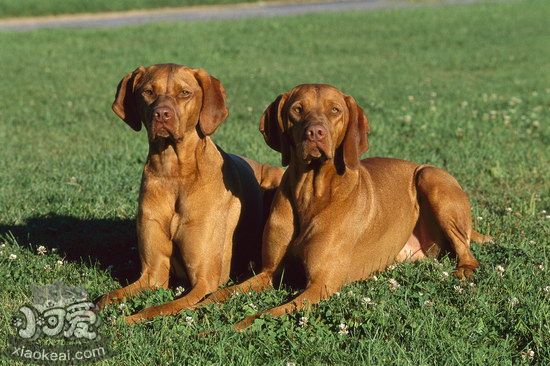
451	209
268	176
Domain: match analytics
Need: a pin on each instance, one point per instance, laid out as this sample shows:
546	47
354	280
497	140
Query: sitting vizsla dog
346	219
201	211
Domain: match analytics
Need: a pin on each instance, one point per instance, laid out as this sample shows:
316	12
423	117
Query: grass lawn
21	8
464	87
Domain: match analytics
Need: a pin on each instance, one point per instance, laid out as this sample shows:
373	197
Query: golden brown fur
346	219
198	206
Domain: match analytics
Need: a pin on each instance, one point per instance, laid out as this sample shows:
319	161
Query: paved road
253	10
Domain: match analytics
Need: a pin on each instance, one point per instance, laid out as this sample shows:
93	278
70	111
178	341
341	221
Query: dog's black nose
316	132
163	114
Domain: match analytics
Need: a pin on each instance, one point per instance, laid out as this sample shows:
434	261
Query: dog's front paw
245	323
103	301
132	319
464	272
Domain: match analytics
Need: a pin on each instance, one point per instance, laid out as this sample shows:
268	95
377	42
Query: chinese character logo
57	310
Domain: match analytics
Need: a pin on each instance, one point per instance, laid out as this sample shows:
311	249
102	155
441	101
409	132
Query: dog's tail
480	238
268	176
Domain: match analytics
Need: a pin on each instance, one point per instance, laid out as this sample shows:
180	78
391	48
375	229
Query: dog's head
316	123
170	100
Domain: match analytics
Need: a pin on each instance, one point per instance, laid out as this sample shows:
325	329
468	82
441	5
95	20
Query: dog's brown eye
148	92
298	109
335	110
185	94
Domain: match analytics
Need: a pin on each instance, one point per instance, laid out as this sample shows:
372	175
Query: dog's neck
188	156
319	182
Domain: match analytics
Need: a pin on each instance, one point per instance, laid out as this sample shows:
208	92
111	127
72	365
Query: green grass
18	8
478	78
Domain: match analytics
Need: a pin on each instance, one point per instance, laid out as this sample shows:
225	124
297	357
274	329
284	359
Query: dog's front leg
155	251
201	248
327	258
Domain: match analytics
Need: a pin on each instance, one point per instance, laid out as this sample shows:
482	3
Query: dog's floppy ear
355	140
271	127
125	104
213	110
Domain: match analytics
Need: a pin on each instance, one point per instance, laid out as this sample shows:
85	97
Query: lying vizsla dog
346	219
201	211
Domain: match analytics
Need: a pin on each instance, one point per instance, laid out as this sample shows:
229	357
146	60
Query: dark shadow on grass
111	244
101	242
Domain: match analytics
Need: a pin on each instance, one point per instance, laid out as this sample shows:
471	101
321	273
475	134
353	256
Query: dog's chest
185	211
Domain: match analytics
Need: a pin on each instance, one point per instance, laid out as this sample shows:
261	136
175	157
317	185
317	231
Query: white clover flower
4	245
391	267
472	284
532	242
41	250
546	289
252	306
479	218
394	285
350	293
291	364
541	266
60	262
529	354
500	270
514	101
367	301
508	209
302	322
547	217
375	278
47	268
445	274
343	329
410	98
543	212
513	301
407	118
122	306
12	257
428	303
179	291
458	289
189	320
